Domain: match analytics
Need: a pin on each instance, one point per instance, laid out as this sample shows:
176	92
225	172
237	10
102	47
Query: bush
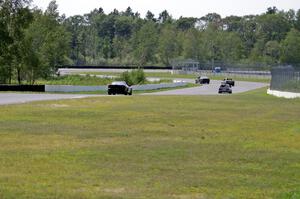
127	78
134	77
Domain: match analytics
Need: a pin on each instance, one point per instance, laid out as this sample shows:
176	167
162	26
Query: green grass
189	85
89	80
239	146
76	80
190	76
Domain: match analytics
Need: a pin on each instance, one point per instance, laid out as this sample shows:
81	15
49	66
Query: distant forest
34	43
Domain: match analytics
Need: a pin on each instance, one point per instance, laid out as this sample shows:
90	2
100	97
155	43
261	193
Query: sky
177	8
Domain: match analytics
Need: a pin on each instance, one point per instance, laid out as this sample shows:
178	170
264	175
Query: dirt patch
59	105
115	190
189	196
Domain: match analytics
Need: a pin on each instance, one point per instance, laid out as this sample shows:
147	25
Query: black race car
202	80
225	88
119	88
229	81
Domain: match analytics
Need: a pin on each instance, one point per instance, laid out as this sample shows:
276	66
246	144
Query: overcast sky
177	8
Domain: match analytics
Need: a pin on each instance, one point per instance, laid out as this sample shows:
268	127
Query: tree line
34	43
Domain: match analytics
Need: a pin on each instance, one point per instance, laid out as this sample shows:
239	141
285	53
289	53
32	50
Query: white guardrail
146	87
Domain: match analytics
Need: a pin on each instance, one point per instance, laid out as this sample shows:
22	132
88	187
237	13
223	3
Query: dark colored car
229	81
225	88
202	80
217	70
119	88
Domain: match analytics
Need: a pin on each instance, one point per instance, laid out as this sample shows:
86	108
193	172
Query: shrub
134	77
125	76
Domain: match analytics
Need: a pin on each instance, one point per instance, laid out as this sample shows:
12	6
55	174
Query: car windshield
119	83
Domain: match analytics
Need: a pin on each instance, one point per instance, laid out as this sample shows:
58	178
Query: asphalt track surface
211	89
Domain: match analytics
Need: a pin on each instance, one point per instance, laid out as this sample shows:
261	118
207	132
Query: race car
119	88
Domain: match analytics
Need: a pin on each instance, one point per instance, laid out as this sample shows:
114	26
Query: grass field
240	146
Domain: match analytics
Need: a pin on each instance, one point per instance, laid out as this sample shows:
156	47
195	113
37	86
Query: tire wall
23	88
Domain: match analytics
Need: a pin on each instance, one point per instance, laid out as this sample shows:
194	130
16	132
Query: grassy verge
89	80
190	76
167	89
76	80
240	146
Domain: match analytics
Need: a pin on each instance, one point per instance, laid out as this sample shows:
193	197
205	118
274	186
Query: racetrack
211	89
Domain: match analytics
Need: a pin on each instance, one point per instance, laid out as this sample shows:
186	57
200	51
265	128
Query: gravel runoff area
211	89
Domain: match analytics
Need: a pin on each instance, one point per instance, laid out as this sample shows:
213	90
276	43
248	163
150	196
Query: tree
75	25
212	44
184	23
193	47
145	44
291	48
168	44
123	27
213	20
17	17
165	17
272	27
52	10
297	22
272	10
290	15
115	12
257	52
233	24
150	16
247	32
6	40
122	50
46	45
129	13
231	47
272	52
